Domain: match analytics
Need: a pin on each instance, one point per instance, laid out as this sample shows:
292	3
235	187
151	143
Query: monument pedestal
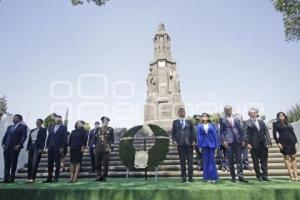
164	94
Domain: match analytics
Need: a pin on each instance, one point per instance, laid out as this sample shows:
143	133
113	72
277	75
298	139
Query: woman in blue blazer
208	141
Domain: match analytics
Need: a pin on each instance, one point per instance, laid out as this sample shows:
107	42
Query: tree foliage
3	104
294	113
50	120
290	10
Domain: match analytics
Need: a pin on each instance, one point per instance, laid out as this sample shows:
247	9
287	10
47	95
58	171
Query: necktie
231	121
13	128
182	124
256	124
55	129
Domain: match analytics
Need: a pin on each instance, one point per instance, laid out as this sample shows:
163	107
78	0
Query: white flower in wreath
141	159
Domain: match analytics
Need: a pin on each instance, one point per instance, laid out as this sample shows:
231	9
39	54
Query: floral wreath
156	154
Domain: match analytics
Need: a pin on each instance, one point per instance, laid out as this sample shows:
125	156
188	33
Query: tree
97	2
294	113
290	10
3	104
50	120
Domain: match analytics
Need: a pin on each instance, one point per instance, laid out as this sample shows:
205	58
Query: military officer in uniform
104	139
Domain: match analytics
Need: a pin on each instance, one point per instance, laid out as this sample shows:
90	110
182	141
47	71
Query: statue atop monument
163	94
162	44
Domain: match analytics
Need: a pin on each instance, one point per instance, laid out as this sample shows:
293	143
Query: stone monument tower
163	94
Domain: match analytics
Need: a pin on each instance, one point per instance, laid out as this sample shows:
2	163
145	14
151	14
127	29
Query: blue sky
227	52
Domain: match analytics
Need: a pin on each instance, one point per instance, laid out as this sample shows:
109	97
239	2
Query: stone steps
169	168
272	172
169	157
172	151
116	168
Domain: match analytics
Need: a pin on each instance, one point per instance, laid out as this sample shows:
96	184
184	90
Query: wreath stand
144	160
145	169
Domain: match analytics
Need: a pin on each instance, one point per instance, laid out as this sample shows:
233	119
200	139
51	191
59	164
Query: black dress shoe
191	180
47	181
11	180
5	181
233	180
260	179
243	180
266	178
99	179
183	180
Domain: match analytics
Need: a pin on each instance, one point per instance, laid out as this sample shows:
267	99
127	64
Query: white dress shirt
182	122
34	134
206	127
56	128
255	121
230	119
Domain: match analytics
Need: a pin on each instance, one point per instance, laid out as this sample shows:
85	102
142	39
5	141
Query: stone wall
5	121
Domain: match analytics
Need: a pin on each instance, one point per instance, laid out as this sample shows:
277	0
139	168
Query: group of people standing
232	134
235	137
56	143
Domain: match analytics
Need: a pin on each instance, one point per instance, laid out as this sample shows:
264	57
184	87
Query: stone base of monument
166	124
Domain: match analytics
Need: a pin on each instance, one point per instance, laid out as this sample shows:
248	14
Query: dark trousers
234	153
221	157
10	162
186	155
260	155
54	156
92	157
102	163
245	157
199	159
34	158
106	170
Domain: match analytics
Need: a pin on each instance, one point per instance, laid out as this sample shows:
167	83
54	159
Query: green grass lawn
137	188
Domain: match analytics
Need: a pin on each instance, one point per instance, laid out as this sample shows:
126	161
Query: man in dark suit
245	159
91	144
233	138
35	148
184	136
221	154
12	144
258	142
197	119
55	145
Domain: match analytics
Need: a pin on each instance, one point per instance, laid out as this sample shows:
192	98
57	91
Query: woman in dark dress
77	144
287	143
